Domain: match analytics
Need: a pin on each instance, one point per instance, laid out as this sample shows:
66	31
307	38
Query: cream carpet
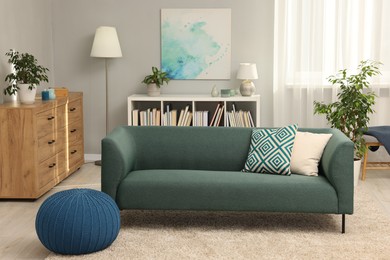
210	235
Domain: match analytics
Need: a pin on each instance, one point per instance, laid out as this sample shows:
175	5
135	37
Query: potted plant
28	74
155	81
350	113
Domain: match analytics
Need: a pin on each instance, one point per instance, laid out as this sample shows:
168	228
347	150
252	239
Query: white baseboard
92	157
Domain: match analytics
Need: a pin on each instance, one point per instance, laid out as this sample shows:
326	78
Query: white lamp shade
106	43
247	71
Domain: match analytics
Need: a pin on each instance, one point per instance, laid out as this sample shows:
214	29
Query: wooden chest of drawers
40	145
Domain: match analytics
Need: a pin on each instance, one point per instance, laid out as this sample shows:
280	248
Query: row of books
239	119
147	117
154	117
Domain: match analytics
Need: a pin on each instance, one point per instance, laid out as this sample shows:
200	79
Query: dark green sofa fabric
198	168
225	190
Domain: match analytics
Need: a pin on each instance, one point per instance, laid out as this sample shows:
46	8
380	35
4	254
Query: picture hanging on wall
196	43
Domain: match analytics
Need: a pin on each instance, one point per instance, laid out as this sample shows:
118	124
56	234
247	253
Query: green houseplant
350	113
155	80
28	73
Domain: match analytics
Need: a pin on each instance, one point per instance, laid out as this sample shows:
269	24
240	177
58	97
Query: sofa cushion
270	150
225	190
307	152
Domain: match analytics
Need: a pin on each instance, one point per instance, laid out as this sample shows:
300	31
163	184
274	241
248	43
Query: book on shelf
215	114
135	117
189	118
239	119
200	118
148	117
181	116
251	119
173	117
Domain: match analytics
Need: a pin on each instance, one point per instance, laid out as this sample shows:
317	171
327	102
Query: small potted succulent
155	81
28	74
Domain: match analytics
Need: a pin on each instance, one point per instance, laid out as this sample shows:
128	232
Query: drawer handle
73	130
73	152
50	118
51	142
72	109
52	165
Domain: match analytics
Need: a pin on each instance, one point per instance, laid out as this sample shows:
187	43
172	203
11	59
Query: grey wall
138	26
26	26
60	34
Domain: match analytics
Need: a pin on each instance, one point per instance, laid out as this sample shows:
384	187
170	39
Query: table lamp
247	72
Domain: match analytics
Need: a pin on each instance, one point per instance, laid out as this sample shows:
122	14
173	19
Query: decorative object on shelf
45	95
214	91
225	92
26	76
77	221
247	72
350	113
61	91
196	43
232	92
106	45
52	94
155	81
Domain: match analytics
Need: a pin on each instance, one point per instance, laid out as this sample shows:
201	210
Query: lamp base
247	88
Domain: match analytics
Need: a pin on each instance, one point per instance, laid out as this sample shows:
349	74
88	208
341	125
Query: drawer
46	122
61	116
51	144
75	112
51	169
76	153
75	132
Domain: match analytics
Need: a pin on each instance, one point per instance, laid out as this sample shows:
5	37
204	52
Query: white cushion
307	152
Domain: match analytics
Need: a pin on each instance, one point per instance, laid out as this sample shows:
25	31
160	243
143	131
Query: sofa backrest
197	148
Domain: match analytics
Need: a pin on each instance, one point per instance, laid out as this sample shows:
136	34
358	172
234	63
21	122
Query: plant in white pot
155	81
28	74
355	101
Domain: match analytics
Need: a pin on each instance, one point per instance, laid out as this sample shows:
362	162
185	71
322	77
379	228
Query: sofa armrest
118	159
337	165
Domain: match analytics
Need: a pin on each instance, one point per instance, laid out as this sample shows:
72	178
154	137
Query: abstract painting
196	43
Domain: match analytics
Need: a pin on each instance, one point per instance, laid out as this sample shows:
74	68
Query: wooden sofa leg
365	163
343	224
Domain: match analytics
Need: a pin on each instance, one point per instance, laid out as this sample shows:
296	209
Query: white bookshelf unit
248	105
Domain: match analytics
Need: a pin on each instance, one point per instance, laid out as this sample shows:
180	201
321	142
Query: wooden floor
18	239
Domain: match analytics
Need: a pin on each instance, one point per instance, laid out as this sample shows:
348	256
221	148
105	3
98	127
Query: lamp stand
99	162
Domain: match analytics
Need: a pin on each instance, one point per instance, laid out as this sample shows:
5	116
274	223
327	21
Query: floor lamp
106	45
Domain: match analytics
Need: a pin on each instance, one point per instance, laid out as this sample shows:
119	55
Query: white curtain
315	39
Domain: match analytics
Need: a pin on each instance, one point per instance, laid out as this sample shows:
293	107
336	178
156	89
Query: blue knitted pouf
78	221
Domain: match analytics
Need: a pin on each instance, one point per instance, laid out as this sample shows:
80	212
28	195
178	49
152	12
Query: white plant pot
26	95
153	90
356	171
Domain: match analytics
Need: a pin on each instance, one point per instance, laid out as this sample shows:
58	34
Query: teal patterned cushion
270	150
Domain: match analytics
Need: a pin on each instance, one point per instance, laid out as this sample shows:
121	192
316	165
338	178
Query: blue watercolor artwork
195	43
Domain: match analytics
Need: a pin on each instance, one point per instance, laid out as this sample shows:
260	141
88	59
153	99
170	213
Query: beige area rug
210	235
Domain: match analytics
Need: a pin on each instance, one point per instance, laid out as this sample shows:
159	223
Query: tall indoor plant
155	80
28	74
355	101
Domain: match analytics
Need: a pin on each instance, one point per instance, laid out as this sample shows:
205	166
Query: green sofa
199	168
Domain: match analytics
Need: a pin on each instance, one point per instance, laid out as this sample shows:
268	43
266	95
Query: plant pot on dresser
41	144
